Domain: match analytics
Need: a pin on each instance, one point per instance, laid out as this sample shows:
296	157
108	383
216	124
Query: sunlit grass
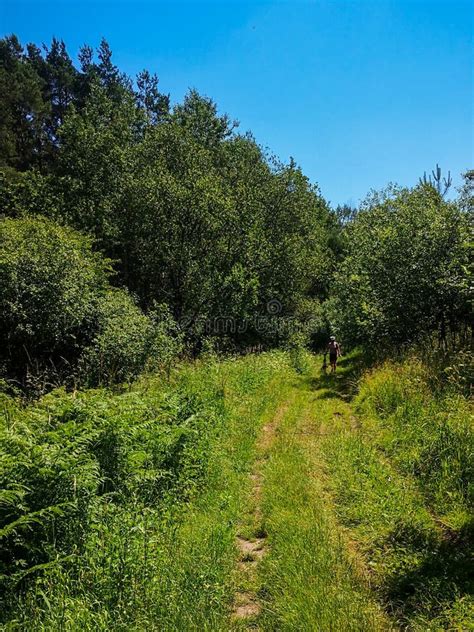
128	504
158	524
400	470
310	579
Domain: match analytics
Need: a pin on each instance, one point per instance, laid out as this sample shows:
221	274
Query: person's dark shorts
332	358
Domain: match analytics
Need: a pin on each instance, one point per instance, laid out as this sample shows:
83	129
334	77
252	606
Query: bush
298	353
49	283
122	341
126	341
167	339
60	319
406	274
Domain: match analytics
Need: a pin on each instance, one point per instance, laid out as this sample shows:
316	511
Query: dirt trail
251	540
268	596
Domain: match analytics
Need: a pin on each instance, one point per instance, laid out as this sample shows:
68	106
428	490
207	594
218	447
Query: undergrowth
402	477
117	510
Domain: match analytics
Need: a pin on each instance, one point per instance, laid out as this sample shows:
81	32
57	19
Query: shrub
406	271
60	319
167	340
49	283
122	341
126	341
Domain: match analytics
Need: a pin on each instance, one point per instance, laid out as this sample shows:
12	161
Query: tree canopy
196	217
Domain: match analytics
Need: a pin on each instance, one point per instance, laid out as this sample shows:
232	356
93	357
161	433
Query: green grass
398	473
120	510
427	430
143	490
311	580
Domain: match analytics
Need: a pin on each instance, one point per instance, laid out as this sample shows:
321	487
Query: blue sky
360	93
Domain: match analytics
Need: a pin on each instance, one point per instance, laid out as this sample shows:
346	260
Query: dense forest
140	238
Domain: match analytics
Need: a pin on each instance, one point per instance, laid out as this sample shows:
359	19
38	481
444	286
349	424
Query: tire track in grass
312	578
335	537
251	540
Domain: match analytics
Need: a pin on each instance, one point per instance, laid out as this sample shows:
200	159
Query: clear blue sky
359	92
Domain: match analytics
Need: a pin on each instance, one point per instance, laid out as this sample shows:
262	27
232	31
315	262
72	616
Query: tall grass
401	476
118	510
426	428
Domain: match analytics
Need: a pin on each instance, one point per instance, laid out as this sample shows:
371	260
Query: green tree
150	99
29	193
466	197
59	87
49	283
405	271
198	115
176	225
23	109
193	215
442	185
93	163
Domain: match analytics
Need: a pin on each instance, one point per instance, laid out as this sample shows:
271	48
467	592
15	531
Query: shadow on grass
343	383
429	572
445	573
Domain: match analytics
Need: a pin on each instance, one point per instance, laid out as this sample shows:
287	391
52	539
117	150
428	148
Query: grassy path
335	536
251	540
307	575
289	512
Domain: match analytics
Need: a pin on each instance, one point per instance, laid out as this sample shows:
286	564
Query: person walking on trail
334	349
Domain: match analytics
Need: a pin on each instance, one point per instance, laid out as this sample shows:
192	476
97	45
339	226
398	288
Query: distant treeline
130	227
